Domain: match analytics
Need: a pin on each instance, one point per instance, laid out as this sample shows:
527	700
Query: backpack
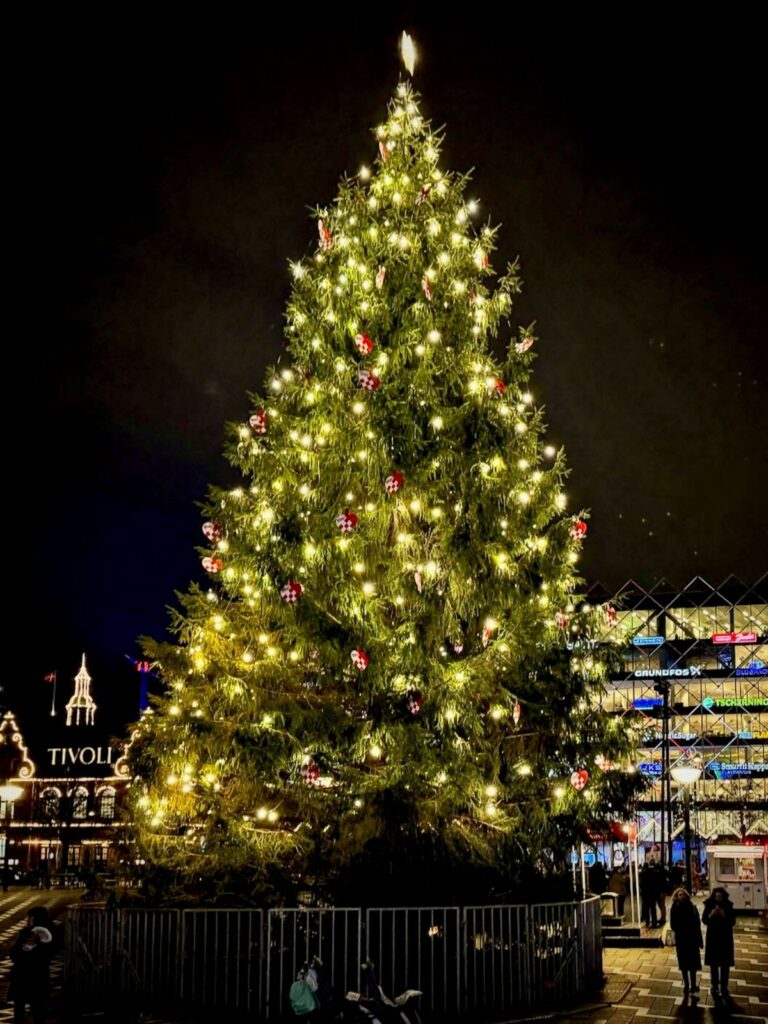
302	998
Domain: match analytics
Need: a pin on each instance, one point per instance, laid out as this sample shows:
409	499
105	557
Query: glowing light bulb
376	751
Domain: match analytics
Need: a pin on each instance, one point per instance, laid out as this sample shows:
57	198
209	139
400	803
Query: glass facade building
695	685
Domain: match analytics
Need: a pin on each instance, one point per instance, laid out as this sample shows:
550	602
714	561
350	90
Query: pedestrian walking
30	974
618	883
684	922
648	896
719	918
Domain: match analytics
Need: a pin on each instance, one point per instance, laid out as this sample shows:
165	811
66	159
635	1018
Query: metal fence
471	960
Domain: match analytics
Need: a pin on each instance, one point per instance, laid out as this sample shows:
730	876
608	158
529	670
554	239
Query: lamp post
9	793
686	775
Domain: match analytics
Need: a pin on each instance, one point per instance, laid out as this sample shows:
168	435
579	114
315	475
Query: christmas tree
387	666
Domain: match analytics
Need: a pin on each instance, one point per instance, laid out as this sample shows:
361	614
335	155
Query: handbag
668	936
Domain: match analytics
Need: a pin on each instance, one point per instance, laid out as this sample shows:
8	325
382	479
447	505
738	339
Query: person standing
648	896
30	974
719	918
618	883
684	922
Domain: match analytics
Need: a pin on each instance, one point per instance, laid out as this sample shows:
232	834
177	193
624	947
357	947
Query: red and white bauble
310	773
414	701
578	530
346	521
418	579
610	614
369	381
579	779
360	659
383	152
426	287
498	387
212	565
258	422
291	592
213	532
364	344
486	636
326	238
561	620
423	195
394	482
524	345
381	274
516	712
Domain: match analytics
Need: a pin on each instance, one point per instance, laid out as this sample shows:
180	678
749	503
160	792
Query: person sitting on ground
30	974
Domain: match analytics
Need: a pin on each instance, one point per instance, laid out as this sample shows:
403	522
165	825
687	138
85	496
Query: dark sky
163	179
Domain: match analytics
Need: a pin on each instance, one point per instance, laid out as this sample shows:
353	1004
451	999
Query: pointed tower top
81	703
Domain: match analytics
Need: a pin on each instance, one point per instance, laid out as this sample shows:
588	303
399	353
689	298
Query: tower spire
81	703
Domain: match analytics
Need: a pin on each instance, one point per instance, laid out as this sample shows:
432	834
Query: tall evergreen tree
387	665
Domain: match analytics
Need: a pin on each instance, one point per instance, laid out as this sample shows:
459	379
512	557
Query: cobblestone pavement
656	988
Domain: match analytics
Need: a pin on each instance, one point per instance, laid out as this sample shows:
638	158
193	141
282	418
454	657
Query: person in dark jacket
719	918
648	896
684	922
30	975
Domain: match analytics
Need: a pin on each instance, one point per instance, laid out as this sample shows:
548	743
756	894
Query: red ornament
516	712
561	620
579	779
213	532
426	288
381	273
291	592
383	152
212	565
394	482
364	344
486	637
611	615
258	422
360	659
368	380
414	701
578	530
326	238
346	521
310	773
472	298
423	195
524	345
499	387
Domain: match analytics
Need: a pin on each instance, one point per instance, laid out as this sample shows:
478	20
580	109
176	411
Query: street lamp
9	793
685	775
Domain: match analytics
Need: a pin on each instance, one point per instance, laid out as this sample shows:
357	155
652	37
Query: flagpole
53	698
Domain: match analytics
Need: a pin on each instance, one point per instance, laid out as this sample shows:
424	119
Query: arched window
49	803
107	803
80	802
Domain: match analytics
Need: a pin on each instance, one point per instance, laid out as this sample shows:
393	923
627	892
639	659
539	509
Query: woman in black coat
719	917
684	922
30	974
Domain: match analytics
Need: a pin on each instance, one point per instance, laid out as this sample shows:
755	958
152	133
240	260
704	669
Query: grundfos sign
61	756
666	673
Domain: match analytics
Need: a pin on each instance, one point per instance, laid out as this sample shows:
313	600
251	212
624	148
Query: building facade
69	785
695	685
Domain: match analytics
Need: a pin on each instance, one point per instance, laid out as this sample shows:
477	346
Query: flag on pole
50	678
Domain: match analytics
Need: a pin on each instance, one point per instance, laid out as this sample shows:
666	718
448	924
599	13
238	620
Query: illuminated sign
644	703
754	668
735	702
61	756
724	770
734	638
647	641
650	768
663	673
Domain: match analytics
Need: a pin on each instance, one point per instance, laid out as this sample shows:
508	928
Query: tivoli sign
62	756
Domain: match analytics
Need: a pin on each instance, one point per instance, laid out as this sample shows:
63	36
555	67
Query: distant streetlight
685	775
9	793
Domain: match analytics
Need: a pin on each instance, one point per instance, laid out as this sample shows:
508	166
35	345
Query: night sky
164	180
